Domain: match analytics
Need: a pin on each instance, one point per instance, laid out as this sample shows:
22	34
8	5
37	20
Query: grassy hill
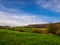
43	25
8	37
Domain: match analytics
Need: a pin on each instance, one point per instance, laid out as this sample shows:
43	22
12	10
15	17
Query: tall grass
8	37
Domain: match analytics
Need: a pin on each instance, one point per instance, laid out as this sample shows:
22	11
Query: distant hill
4	27
38	25
35	25
43	25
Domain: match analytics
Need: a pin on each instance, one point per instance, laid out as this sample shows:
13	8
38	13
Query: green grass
26	29
8	37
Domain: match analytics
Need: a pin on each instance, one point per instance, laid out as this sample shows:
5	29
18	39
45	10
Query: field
9	37
25	29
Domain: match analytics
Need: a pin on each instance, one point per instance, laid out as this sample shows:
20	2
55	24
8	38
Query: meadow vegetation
9	37
49	35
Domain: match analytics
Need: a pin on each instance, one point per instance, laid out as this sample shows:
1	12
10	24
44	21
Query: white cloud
2	7
53	5
19	19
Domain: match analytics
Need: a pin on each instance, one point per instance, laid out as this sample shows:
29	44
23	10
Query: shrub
44	31
36	31
40	31
11	29
52	28
20	30
58	32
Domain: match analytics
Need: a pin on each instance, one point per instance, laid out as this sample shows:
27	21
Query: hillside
43	25
19	38
35	25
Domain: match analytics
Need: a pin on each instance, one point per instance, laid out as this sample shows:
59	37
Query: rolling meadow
29	36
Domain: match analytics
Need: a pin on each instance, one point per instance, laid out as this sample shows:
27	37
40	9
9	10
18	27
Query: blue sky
24	12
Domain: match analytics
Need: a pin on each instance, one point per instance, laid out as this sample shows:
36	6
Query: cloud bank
10	19
14	17
53	5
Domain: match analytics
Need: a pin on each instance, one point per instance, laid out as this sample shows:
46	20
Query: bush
44	31
52	28
11	29
20	30
40	31
36	31
58	32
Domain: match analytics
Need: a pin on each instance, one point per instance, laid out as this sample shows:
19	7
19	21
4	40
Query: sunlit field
8	37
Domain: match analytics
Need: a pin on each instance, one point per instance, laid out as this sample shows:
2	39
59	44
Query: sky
25	12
